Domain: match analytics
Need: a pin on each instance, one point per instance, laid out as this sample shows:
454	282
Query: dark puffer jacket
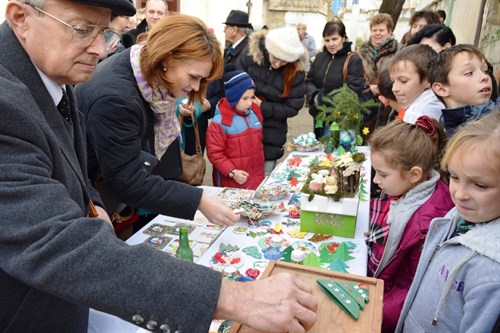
325	74
270	84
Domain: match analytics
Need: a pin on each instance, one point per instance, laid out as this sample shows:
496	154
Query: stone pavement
302	123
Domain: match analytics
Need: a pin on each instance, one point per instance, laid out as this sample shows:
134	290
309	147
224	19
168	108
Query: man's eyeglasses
84	35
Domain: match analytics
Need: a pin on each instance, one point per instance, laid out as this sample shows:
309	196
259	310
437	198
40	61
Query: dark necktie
228	52
64	107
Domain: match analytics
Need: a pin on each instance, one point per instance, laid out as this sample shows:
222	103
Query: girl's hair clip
426	124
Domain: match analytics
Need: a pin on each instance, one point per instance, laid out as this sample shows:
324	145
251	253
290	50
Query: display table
250	237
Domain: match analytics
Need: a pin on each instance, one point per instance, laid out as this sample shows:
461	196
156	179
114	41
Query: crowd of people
90	136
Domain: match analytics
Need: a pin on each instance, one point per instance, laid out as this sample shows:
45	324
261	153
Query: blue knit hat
236	83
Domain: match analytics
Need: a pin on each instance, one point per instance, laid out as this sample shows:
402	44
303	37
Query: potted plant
342	111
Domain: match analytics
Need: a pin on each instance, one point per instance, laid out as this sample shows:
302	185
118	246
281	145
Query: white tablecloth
100	322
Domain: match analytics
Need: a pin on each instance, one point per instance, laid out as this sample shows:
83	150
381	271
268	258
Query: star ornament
365	131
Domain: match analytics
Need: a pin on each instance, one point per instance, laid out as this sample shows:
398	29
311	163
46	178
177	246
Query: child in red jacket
404	157
234	137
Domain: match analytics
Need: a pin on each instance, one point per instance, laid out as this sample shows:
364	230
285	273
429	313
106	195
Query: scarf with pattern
166	127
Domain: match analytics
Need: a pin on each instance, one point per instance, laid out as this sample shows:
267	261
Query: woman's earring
164	69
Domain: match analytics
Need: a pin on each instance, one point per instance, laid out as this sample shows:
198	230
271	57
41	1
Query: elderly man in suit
236	33
55	260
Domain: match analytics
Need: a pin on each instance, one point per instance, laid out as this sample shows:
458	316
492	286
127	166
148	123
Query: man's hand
280	303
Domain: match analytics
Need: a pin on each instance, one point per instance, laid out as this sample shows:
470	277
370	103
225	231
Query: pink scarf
163	104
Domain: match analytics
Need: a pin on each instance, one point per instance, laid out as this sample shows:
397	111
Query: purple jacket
398	270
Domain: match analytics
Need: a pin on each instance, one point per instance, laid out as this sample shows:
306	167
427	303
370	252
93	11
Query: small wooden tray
330	316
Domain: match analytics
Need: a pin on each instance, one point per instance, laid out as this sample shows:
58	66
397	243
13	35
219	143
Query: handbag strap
345	67
196	132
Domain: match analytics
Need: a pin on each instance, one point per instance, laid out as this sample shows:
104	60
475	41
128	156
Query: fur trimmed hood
260	55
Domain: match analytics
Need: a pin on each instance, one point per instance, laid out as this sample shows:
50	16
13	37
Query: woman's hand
216	211
205	106
186	110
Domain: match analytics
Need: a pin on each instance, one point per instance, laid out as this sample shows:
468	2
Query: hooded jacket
270	84
234	141
457	284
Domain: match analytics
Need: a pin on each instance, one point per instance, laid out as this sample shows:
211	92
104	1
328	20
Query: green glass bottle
184	251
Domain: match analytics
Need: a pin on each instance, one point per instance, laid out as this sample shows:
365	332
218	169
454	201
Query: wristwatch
231	174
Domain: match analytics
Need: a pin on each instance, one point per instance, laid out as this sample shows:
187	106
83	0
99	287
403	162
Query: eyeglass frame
110	46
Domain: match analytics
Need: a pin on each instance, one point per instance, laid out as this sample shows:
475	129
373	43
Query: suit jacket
236	53
54	261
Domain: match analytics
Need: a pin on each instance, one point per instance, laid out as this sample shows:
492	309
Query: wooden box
331	318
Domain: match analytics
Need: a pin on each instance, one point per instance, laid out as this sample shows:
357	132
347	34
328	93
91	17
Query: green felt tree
338	265
287	254
312	260
343	252
326	256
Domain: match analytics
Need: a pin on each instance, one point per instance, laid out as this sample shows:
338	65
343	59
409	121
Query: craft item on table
235	194
274	250
228	247
253	273
294	213
254	210
240	230
325	256
204	235
253	251
174	230
298	257
294	200
281	207
214	226
287	254
338	265
350	244
319	238
305	246
343	252
328	246
156	229
256	233
306	142
296	233
172	246
264	225
350	297
294	161
230	273
280	175
294	182
291	222
260	265
271	191
158	242
264	242
200	249
312	260
277	230
223	259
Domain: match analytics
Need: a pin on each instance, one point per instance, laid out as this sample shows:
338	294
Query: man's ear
440	89
16	13
415	174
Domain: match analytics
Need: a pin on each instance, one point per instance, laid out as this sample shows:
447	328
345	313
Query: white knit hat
284	44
